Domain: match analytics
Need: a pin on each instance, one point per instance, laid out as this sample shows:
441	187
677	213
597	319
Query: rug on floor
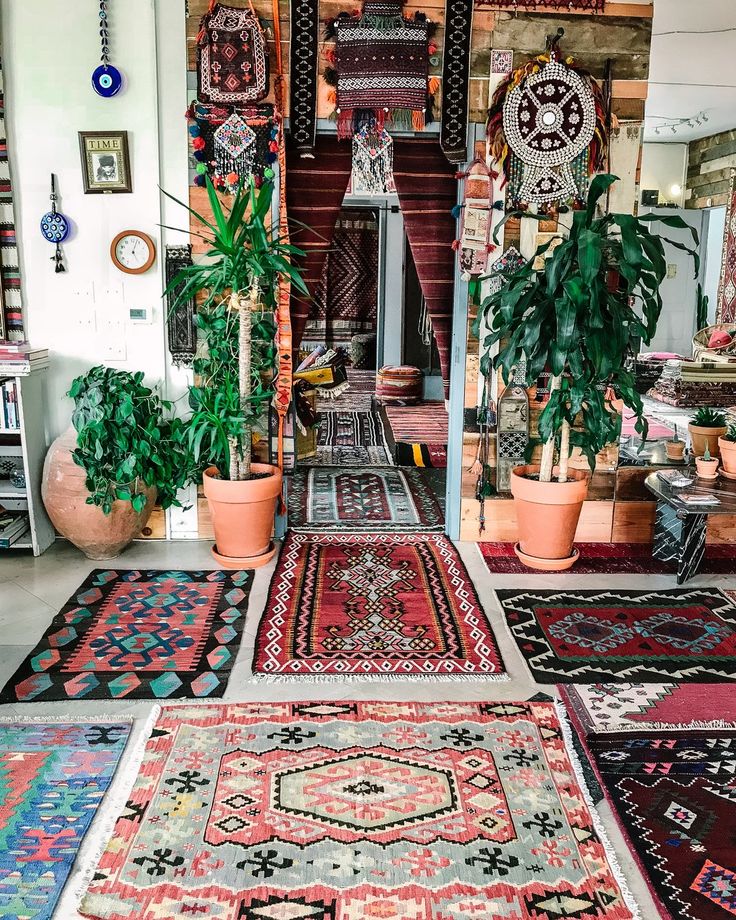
417	435
673	795
350	429
633	707
351	810
382	499
685	634
138	634
347	455
53	777
609	559
374	605
359	398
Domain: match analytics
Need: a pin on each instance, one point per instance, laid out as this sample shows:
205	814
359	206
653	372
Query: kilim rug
346	455
344	811
138	634
350	429
385	499
358	398
674	796
417	435
726	303
53	777
686	635
374	605
609	559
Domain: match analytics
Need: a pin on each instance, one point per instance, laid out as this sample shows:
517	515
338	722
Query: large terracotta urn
98	535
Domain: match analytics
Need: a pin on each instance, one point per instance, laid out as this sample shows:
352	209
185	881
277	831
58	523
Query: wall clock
133	252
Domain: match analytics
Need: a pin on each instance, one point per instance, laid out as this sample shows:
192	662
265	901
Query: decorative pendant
513	427
55	228
107	80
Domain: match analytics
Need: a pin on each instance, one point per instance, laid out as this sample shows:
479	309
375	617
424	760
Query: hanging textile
475	243
304	61
373	160
232	56
232	143
547	125
592	6
315	193
9	262
181	324
726	303
427	190
381	68
455	79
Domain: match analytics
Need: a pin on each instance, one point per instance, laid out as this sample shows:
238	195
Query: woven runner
417	435
726	303
455	79
303	83
9	261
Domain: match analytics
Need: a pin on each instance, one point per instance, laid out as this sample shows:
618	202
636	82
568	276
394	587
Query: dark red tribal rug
417	435
374	605
138	634
646	636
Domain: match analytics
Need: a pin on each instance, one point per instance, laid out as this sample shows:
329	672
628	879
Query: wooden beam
634	10
630	89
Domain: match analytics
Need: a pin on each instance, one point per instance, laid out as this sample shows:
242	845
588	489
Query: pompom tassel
433	85
329	75
457	211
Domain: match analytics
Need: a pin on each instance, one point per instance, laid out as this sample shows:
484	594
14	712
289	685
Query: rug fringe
371	678
665	727
73	720
108	814
611	855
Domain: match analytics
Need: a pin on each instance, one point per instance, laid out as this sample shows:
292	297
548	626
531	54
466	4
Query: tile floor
32	590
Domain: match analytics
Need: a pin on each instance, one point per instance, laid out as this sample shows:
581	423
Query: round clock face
133	252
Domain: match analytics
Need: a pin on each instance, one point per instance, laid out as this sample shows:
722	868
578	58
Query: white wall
713	256
50	48
662	167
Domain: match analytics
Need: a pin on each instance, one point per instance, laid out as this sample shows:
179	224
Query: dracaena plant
127	439
580	316
236	285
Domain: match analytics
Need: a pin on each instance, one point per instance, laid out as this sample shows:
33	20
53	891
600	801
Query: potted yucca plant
574	317
236	285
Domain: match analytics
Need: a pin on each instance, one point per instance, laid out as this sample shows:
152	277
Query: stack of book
13	525
9	410
18	359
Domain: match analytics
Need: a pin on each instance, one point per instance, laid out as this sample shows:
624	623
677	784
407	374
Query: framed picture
105	162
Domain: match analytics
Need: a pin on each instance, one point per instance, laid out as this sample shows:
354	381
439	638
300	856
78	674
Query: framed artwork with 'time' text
105	162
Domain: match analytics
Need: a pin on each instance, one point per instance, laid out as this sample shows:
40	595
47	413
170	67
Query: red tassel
460	175
456	245
491	247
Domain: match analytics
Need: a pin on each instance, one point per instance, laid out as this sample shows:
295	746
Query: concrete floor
33	590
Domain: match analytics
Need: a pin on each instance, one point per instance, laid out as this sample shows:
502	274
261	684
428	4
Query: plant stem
548	451
245	307
234	461
564	450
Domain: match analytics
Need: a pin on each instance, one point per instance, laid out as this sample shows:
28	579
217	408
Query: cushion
719	339
399	384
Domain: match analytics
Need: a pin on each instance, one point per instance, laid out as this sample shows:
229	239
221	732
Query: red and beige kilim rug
374	605
357	811
417	435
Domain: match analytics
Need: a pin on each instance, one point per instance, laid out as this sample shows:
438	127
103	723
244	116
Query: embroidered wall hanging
475	244
232	56
304	60
232	143
455	79
381	68
510	262
513	427
547	125
181	323
373	160
593	6
726	304
12	303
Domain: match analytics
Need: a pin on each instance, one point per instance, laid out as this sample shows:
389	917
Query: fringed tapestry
547	125
9	262
232	143
303	84
726	304
381	71
181	323
476	217
455	79
232	56
427	190
373	161
592	6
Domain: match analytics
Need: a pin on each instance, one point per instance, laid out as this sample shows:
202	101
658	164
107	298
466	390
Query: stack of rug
694	385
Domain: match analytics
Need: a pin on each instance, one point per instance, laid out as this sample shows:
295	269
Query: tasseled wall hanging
547	126
381	68
303	83
476	216
232	56
455	79
181	323
373	160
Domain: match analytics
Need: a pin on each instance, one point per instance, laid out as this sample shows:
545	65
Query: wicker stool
401	385
363	351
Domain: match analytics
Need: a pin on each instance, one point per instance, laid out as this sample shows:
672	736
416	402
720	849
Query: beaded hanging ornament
373	160
547	125
107	80
381	68
232	56
55	229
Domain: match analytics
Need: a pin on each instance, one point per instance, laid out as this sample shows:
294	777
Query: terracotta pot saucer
547	565
708	478
244	562
727	474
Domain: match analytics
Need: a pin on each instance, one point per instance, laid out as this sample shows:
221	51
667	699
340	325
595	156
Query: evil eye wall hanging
107	79
55	228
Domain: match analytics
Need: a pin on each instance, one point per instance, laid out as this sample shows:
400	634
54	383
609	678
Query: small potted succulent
705	428
675	447
727	447
707	466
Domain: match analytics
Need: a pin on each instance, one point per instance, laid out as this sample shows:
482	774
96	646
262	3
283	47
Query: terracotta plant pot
728	454
705	437
707	469
242	516
675	449
547	514
98	535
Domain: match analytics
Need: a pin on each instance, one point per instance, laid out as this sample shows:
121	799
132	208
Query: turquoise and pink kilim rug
53	777
138	634
357	811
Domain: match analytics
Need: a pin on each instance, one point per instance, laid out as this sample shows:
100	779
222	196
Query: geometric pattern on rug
358	429
374	605
417	435
347	455
674	795
53	777
351	810
359	398
381	499
686	635
633	707
138	634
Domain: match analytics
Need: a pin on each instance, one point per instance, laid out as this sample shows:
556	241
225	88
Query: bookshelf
28	444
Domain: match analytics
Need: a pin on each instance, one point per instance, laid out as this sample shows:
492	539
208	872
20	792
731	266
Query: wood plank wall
710	161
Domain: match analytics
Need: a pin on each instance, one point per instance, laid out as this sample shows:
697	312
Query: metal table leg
679	540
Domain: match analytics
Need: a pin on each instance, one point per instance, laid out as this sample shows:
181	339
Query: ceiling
693	69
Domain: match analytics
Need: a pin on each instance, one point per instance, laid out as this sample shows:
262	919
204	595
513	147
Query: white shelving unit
29	443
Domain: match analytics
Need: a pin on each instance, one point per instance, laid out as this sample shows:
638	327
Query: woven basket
723	355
